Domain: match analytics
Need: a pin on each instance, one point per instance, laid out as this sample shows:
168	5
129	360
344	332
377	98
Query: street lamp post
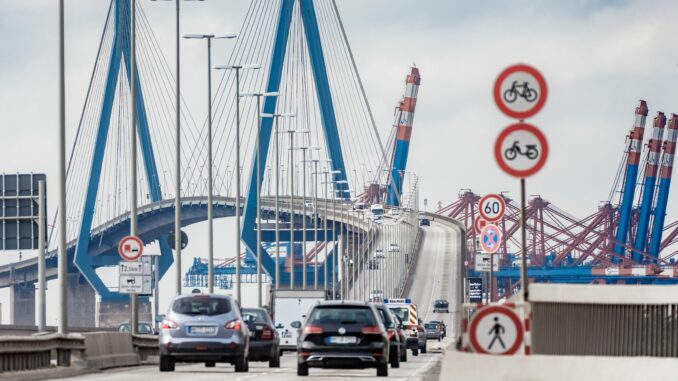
210	178
63	255
277	193
314	173
237	69
133	299
258	144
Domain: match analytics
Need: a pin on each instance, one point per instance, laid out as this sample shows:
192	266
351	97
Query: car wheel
403	356
242	364
210	364
274	362
423	350
395	359
382	370
302	369
166	364
415	351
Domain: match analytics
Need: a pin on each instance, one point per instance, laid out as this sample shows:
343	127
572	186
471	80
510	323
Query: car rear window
201	305
342	315
431	326
254	316
385	317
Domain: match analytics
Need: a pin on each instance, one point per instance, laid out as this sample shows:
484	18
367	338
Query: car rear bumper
343	359
198	350
262	350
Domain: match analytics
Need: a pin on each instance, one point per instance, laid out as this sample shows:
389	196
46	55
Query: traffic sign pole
523	238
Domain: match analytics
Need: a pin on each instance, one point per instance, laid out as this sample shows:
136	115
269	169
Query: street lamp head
225	35
244	67
196	36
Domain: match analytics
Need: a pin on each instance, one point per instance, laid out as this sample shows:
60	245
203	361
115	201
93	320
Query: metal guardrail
18	330
19	353
145	346
605	320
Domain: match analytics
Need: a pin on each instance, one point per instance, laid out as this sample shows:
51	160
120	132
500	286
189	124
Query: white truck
292	305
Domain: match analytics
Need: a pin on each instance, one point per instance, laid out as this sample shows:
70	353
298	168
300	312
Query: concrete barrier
470	366
109	349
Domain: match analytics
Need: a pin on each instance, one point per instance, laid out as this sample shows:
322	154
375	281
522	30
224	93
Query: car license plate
343	339
287	334
201	330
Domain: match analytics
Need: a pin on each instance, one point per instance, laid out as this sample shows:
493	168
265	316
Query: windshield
342	315
254	316
201	305
403	313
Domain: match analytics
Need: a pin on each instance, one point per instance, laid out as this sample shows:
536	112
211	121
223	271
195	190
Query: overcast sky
599	58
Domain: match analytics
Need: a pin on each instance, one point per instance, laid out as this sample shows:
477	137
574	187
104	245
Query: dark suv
342	335
264	339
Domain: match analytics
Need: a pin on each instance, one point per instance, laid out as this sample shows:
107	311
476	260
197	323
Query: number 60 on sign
492	207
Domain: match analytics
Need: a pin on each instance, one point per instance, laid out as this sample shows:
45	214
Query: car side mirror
159	318
296	324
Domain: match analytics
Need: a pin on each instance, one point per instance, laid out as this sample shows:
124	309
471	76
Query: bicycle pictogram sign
520	91
521	150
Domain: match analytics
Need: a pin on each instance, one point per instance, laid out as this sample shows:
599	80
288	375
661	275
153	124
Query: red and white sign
521	150
479	224
492	207
520	91
130	248
490	238
496	330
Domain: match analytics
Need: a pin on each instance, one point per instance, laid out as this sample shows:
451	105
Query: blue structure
654	152
664	185
626	207
120	53
328	116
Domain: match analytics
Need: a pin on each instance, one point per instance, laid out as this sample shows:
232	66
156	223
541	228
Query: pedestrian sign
520	91
496	330
521	150
490	238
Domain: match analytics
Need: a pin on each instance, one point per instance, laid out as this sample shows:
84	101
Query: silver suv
204	328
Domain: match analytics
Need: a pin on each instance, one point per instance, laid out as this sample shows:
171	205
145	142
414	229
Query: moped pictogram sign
521	150
520	91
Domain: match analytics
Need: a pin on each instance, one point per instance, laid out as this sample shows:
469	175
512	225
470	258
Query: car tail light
312	329
267	333
370	330
234	325
391	334
168	324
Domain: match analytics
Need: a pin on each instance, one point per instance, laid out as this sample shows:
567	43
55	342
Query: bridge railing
18	353
604	320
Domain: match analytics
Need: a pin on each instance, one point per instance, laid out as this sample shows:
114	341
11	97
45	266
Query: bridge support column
113	313
22	304
82	302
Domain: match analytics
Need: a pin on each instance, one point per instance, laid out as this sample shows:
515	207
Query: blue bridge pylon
327	111
120	55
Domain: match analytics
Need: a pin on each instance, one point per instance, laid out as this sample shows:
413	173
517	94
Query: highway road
435	276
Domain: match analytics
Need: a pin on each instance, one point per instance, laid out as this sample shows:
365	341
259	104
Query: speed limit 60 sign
492	207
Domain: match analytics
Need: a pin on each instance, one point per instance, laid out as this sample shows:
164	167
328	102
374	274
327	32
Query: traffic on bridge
217	196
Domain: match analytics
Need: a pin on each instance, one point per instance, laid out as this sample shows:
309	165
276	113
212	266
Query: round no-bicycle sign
520	91
521	150
496	330
492	207
490	238
130	248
